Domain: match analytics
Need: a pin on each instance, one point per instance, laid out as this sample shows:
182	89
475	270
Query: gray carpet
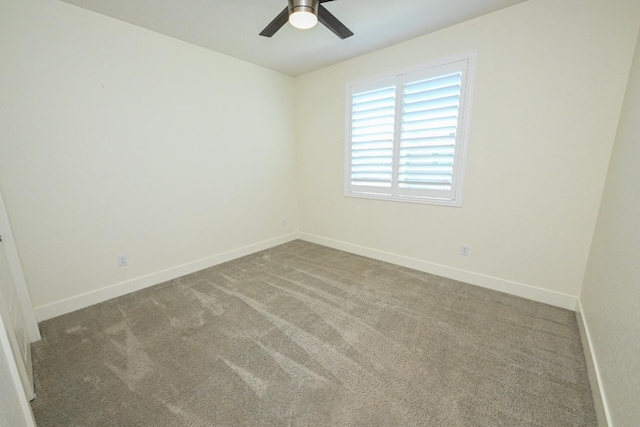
303	335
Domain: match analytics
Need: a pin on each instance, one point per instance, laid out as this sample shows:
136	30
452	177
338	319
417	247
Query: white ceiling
232	26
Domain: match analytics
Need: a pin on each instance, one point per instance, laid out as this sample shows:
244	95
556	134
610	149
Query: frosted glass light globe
303	20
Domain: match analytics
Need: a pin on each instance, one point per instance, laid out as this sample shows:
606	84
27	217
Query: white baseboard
77	302
68	305
599	398
519	289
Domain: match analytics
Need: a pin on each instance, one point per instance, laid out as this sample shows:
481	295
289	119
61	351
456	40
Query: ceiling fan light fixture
303	14
306	14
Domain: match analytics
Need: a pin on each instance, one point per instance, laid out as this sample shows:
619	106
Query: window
406	134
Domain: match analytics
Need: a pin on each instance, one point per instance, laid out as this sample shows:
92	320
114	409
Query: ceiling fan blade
276	24
332	23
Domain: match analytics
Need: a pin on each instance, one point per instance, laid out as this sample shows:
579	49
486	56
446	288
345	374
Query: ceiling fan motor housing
310	6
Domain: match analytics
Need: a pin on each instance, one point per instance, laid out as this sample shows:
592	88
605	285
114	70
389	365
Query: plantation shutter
428	133
404	135
372	136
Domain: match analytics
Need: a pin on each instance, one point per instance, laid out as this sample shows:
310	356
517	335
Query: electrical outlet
122	260
464	250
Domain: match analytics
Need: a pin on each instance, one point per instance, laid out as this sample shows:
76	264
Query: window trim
462	131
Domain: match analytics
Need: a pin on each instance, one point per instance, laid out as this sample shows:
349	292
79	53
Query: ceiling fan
305	14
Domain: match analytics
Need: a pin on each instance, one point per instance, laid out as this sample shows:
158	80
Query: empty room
319	213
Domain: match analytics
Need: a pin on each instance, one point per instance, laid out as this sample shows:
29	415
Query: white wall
548	90
117	140
610	297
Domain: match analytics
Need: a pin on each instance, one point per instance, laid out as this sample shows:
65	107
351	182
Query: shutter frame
429	142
